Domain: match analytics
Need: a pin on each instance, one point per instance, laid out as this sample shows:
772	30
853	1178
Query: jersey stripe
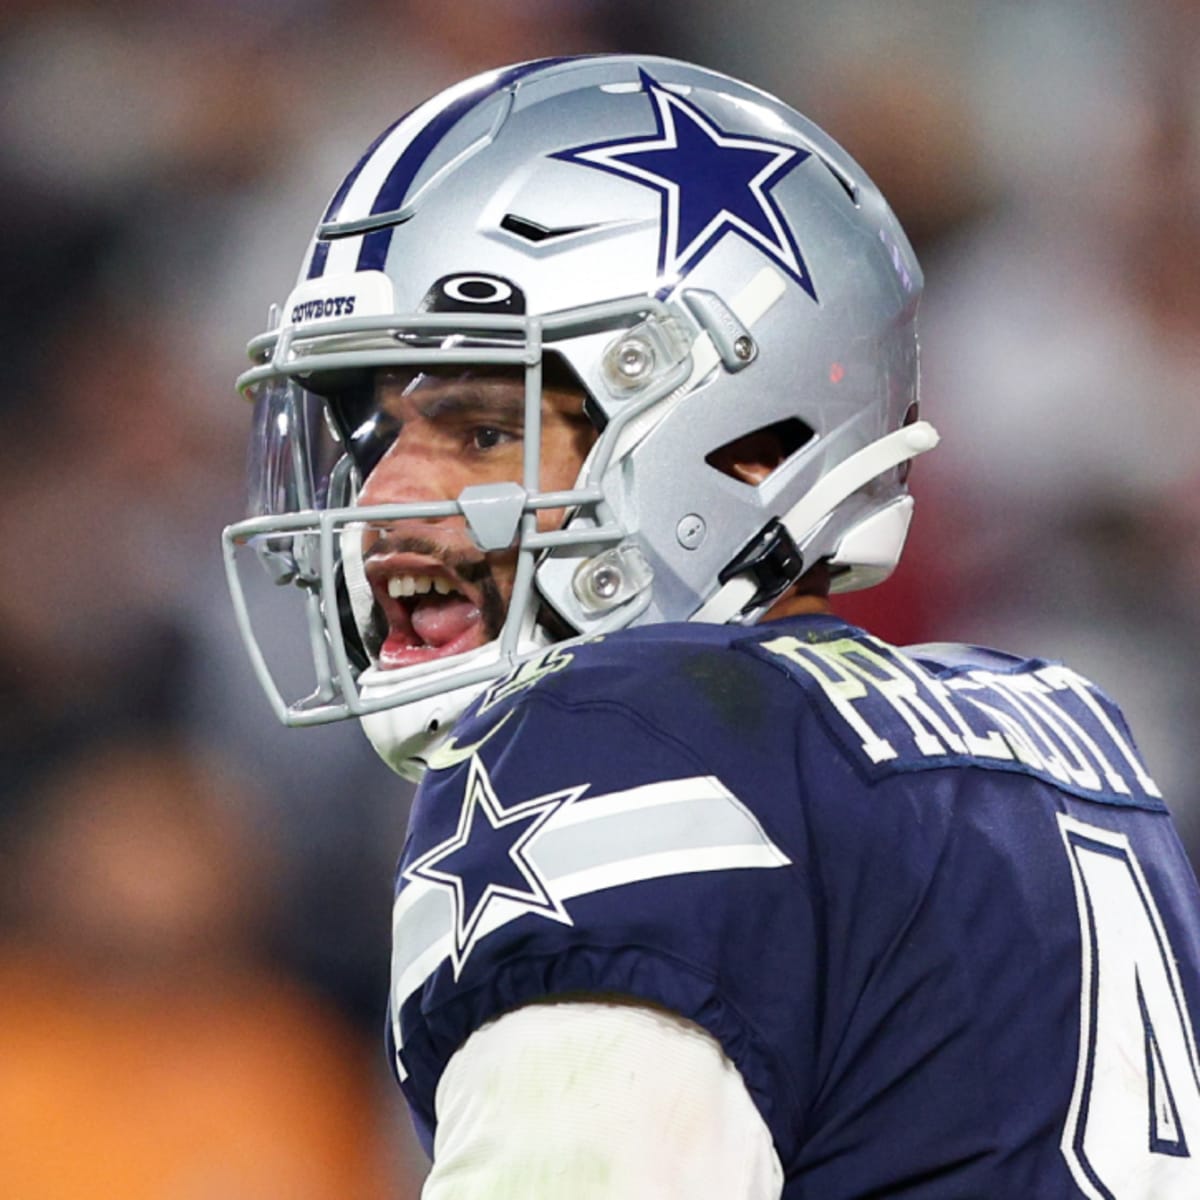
673	827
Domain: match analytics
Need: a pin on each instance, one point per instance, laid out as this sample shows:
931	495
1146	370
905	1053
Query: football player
600	375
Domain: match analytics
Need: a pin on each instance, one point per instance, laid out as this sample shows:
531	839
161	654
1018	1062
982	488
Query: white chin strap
406	735
843	481
354	572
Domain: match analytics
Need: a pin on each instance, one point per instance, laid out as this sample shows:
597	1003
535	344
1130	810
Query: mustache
469	568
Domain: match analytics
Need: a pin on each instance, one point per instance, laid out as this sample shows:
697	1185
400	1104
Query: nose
412	471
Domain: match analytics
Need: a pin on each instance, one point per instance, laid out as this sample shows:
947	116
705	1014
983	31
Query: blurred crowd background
194	902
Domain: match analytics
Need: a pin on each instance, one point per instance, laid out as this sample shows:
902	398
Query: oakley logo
477	289
474	293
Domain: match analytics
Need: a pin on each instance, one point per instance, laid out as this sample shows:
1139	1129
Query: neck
797	605
809	594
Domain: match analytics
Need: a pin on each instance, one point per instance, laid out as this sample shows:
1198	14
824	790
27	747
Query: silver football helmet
697	259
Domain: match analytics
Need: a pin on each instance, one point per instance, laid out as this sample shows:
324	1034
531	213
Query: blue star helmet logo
711	182
486	860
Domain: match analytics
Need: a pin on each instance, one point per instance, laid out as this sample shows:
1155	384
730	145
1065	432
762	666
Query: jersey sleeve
582	845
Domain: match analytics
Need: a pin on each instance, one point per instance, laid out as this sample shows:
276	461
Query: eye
488	437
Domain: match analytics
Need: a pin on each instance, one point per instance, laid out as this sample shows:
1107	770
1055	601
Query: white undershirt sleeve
597	1100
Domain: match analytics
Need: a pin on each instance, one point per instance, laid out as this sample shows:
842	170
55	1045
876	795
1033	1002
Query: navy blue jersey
930	903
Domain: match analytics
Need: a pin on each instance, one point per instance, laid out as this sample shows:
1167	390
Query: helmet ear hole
753	457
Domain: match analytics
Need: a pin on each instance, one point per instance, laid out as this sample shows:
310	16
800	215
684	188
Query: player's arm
594	1100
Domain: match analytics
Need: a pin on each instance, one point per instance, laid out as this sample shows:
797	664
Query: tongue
439	620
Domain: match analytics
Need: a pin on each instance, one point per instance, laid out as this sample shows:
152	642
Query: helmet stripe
381	179
358	193
320	252
391	195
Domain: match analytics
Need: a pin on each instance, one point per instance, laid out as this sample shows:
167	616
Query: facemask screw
690	531
606	581
744	348
634	359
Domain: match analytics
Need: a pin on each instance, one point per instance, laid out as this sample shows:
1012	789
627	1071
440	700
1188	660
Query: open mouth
428	613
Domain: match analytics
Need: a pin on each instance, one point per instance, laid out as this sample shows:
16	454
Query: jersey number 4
1133	1131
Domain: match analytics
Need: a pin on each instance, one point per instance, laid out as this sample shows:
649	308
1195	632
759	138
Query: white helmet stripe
385	178
343	253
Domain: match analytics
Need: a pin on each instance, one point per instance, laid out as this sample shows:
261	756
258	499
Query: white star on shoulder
485	863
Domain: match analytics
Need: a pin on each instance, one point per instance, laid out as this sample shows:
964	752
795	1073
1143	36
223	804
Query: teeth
418	585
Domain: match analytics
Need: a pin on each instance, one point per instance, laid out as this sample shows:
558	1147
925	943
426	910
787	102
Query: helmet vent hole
753	457
531	231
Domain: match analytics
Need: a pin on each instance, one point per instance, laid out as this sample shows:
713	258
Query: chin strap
412	736
815	505
407	736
